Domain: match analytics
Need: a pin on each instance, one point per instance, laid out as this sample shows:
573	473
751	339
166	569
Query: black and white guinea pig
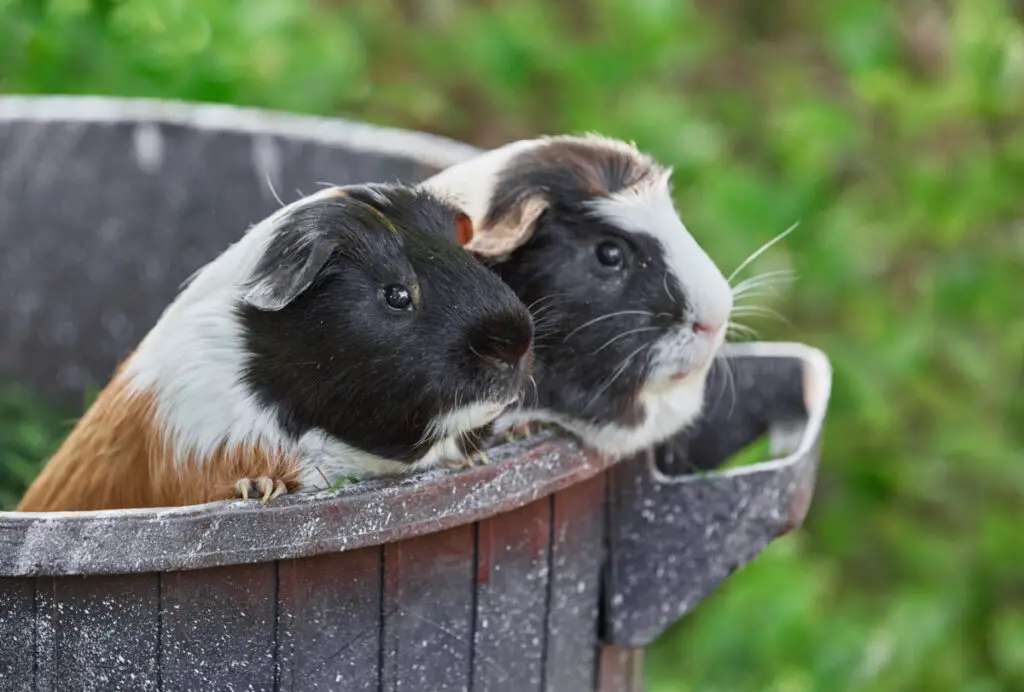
343	335
630	311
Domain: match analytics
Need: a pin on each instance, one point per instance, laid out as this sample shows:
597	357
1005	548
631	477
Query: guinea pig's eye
610	253
398	297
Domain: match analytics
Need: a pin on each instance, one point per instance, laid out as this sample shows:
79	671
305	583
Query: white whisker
621	313
762	280
623	334
270	184
741	330
746	295
671	297
758	311
761	250
618	371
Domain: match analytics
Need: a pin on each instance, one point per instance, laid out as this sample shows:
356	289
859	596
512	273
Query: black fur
558	275
339	359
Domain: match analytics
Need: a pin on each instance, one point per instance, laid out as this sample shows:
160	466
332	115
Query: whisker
761	250
270	184
544	311
543	298
761	280
758	311
762	275
741	330
621	313
536	392
618	371
623	334
667	291
732	382
753	294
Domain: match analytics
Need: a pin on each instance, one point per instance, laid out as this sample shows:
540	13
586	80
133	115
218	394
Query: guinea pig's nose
503	343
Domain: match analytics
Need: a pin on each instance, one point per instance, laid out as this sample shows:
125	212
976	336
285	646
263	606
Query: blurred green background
892	131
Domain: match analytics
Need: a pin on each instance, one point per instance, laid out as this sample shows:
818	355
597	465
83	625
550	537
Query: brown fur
117	457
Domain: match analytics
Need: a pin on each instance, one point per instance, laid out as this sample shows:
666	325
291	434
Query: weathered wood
218	628
674	539
329	621
577	557
428	612
105	625
17	634
358	515
512	571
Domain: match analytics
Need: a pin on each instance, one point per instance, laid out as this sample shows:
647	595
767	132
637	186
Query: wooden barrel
549	569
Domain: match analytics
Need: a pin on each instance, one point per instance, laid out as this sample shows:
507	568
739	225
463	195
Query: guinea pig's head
630	311
363	322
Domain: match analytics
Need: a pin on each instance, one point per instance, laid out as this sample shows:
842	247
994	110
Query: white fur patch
649	209
668	412
470	185
327	457
465	418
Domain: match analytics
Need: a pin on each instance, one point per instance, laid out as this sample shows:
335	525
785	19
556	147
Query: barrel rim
370	513
435	150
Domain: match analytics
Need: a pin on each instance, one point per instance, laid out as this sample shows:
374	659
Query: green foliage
891	131
29	433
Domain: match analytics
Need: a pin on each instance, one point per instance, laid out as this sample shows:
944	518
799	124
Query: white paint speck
148	147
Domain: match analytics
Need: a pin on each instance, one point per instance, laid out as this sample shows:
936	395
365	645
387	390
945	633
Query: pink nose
706	327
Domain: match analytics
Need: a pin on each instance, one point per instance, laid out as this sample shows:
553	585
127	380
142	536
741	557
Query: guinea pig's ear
498	236
286	270
464	229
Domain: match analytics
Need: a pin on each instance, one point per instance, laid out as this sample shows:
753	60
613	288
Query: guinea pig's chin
680	364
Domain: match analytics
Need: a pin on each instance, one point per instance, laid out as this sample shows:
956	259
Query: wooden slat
512	599
218	628
101	632
329	621
17	634
577	560
428	612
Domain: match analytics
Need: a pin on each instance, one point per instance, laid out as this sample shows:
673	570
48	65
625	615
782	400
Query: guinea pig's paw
267	488
463	463
520	431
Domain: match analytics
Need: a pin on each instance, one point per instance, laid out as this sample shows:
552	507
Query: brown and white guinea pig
343	335
630	311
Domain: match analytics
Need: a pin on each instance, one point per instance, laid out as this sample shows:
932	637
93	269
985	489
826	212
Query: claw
469	462
267	488
457	464
519	432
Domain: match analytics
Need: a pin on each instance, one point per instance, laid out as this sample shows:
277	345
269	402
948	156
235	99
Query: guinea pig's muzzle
505	355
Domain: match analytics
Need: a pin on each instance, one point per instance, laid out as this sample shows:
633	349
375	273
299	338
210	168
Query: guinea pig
630	311
343	335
